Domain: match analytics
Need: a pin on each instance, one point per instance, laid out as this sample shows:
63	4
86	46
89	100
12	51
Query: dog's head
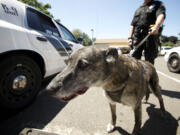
86	67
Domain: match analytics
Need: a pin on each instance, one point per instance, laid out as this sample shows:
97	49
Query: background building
116	43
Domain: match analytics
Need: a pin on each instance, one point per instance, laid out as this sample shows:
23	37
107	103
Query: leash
139	45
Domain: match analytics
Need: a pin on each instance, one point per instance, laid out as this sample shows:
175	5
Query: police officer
148	16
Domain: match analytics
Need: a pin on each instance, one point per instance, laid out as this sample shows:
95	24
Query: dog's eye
82	64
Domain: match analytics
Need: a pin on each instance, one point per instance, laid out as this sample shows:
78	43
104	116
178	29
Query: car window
167	48
67	34
41	22
49	26
33	20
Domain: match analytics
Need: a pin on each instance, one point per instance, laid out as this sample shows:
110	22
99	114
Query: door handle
70	45
41	38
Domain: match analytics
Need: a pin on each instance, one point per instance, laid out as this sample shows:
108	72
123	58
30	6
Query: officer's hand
154	30
130	42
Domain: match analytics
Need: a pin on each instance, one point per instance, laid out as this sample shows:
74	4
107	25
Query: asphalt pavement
89	114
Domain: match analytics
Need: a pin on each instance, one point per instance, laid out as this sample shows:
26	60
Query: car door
45	37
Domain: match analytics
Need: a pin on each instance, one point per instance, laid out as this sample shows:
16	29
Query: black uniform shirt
147	14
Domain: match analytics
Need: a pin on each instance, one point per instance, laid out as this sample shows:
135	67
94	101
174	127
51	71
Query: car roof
175	49
28	6
166	47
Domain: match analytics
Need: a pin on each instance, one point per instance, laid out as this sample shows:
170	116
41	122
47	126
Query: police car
172	57
33	46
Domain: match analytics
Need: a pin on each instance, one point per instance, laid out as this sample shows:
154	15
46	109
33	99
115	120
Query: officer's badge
152	6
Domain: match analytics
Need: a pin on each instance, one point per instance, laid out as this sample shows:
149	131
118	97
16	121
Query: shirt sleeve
161	10
135	18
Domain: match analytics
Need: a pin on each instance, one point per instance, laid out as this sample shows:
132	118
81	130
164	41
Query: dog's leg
138	116
157	92
147	94
111	125
156	89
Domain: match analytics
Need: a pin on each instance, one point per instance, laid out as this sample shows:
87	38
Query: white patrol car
172	57
32	46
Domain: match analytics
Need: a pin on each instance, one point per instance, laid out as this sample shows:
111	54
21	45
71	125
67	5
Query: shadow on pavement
7	114
38	115
121	131
157	125
173	94
178	119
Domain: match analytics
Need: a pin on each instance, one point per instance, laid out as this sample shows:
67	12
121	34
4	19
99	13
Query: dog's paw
110	128
137	132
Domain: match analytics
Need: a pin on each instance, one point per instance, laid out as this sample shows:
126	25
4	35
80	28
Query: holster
139	34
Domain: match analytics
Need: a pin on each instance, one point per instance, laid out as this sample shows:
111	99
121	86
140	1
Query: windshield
67	34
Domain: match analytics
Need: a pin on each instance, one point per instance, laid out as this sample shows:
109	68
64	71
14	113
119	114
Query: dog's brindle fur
124	79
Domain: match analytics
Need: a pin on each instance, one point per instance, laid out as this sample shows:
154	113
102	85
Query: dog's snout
54	87
60	79
67	78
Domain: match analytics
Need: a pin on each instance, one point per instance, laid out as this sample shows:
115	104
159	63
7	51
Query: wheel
174	63
20	81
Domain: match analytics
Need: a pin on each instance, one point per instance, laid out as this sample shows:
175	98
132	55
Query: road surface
89	114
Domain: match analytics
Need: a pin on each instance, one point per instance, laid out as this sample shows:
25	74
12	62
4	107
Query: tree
173	39
169	41
86	40
40	6
164	38
79	34
58	20
168	44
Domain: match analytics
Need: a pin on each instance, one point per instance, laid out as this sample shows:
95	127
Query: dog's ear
111	55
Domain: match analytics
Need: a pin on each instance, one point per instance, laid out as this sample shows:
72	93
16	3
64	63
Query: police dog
123	78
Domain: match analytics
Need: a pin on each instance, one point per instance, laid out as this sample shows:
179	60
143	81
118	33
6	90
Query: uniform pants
150	48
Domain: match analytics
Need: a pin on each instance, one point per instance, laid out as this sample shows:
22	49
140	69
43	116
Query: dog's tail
153	81
156	88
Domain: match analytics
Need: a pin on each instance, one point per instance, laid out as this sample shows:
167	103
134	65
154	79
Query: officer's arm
133	23
160	15
159	21
130	35
131	31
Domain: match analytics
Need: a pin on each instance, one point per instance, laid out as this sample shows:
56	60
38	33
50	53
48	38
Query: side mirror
79	40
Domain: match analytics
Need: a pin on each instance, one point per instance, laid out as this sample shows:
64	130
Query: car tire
20	81
174	63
